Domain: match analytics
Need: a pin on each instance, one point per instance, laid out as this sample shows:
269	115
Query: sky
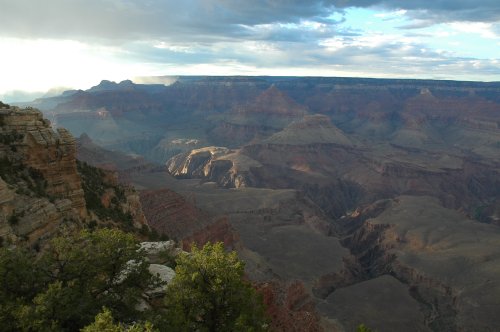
52	45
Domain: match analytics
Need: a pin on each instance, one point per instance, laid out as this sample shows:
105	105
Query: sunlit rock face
53	154
44	188
41	188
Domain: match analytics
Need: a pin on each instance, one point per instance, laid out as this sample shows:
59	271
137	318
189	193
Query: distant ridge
312	129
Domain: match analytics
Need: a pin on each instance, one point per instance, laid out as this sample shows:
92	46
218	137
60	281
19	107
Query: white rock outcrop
165	273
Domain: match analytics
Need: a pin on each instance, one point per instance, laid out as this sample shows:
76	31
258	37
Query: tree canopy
104	322
209	293
77	275
364	328
65	287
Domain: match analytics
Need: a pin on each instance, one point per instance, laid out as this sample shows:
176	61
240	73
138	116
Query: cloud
370	54
210	21
165	80
434	11
202	20
19	96
126	38
484	30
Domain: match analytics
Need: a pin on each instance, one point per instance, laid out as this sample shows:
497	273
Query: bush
64	288
208	293
104	322
363	328
13	219
94	186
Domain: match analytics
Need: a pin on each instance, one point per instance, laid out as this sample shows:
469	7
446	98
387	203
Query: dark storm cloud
122	19
209	20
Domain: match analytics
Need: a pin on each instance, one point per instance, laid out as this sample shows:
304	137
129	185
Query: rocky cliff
299	168
228	168
312	129
41	185
434	260
29	141
171	214
41	188
257	119
231	111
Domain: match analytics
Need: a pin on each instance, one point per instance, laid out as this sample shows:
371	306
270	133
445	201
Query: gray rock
165	273
154	248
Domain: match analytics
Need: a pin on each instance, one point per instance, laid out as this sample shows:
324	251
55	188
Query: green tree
104	322
75	276
363	328
208	293
20	281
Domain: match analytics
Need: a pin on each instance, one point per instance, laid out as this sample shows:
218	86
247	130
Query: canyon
350	200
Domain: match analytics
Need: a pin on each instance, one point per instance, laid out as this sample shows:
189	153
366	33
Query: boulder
165	273
154	249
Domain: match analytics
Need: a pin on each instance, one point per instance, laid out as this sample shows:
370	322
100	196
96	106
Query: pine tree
208	293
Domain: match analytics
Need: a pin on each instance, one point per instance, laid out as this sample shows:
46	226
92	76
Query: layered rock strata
40	188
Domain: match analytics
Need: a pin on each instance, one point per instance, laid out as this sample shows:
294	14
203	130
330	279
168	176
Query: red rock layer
289	307
169	213
219	231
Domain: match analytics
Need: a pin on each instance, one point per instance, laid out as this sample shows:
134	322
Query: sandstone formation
43	186
51	154
95	155
226	167
290	307
447	259
368	302
329	188
41	189
312	129
171	214
268	113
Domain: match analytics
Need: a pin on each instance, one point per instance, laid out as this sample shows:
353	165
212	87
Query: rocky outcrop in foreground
41	188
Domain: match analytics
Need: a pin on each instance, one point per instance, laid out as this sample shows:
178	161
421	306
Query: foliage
13	219
209	294
94	186
37	182
63	289
153	234
20	281
480	213
29	181
104	322
9	138
363	328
